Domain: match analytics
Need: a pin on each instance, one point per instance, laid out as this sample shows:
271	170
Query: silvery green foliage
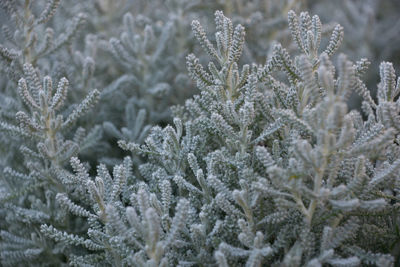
263	20
369	26
140	57
265	166
45	151
38	127
26	43
149	51
370	23
272	153
128	225
138	54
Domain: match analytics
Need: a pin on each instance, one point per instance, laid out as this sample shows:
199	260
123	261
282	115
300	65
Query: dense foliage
253	153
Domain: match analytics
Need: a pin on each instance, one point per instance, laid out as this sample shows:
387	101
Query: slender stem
300	203
336	221
27	32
